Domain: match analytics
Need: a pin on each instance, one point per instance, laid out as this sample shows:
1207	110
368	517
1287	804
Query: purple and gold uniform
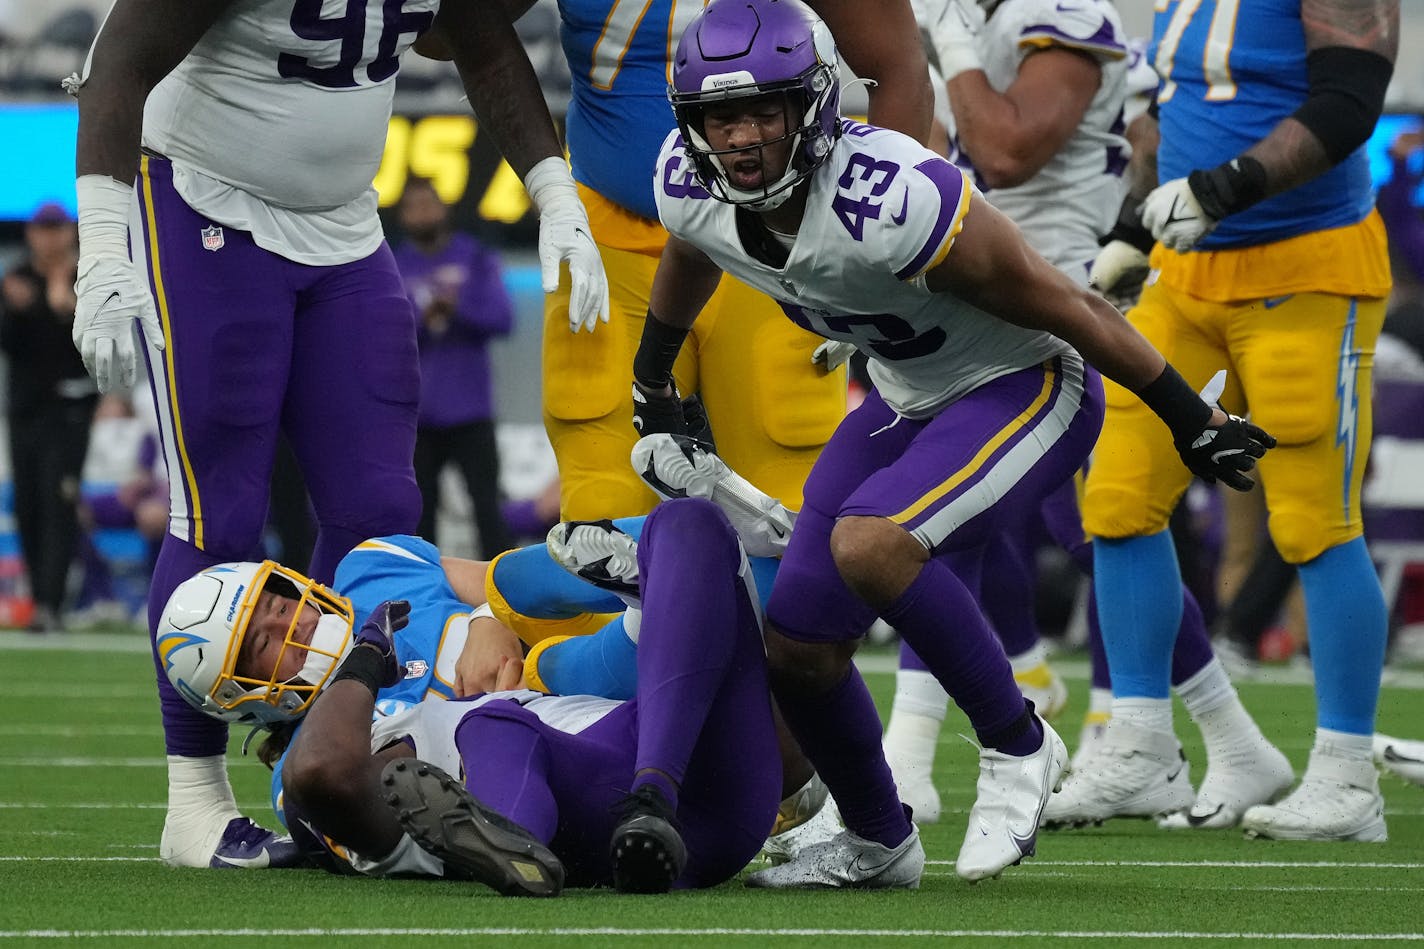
770	408
281	307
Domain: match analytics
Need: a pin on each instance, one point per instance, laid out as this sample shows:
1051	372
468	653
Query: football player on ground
1037	91
1271	258
241	140
866	236
675	787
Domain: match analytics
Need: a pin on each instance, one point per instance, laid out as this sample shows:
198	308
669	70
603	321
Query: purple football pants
256	345
701	716
952	480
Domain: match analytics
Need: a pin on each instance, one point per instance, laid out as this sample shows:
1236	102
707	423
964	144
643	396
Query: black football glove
376	667
1226	452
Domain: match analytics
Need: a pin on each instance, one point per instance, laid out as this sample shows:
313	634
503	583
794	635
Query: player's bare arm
1144	136
331	777
1011	135
1351	48
684	283
1353	44
499	79
140	43
879	40
466	578
992	267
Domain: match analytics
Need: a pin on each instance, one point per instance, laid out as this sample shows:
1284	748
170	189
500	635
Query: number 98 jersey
288	100
882	211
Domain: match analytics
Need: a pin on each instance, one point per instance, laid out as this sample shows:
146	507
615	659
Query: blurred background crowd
81	478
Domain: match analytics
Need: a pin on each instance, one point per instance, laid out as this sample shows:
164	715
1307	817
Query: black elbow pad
1347	87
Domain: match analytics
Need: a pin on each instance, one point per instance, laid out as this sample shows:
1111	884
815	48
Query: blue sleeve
604	663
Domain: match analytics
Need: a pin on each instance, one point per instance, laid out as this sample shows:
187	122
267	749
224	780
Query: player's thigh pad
771	408
1137	476
587	391
1306	366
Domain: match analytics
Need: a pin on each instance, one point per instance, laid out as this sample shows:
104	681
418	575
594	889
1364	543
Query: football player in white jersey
1039	93
225	155
865	236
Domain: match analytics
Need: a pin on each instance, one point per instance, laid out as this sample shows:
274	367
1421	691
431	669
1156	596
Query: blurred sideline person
1269	258
49	407
675	787
867	237
771	407
456	287
1038	93
241	140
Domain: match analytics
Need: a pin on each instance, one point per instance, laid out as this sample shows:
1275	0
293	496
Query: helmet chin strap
332	636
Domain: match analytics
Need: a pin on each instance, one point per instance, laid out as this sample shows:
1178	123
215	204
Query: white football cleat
1045	688
1338	799
1256	774
1400	757
1095	725
598	552
1011	795
1133	772
851	862
804	819
676	466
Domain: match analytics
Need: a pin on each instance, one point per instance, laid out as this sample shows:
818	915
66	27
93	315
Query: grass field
82	789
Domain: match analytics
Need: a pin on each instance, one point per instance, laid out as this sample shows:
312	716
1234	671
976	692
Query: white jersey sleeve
276	120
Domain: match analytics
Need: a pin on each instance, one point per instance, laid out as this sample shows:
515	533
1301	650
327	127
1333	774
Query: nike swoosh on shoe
1199	820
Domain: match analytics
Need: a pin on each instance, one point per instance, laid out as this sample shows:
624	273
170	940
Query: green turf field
82	788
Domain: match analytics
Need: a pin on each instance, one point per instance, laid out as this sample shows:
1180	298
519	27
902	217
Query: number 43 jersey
276	120
881	212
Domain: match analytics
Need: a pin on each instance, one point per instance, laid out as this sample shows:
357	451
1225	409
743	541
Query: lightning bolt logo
1347	398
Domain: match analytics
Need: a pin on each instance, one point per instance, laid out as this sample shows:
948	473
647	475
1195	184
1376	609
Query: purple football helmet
738	49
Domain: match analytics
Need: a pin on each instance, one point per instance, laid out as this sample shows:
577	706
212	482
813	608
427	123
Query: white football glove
1175	217
953	29
832	354
564	235
1117	264
110	293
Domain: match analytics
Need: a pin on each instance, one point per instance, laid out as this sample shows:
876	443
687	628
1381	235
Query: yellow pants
1300	364
771	410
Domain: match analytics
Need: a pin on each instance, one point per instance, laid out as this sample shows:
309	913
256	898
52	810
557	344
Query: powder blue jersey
620	56
408	568
1231	71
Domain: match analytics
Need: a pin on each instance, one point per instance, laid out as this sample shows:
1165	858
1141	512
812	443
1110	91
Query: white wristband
957	57
549	181
483	610
104	206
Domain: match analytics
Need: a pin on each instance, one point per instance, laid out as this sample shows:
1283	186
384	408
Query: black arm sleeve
1347	87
